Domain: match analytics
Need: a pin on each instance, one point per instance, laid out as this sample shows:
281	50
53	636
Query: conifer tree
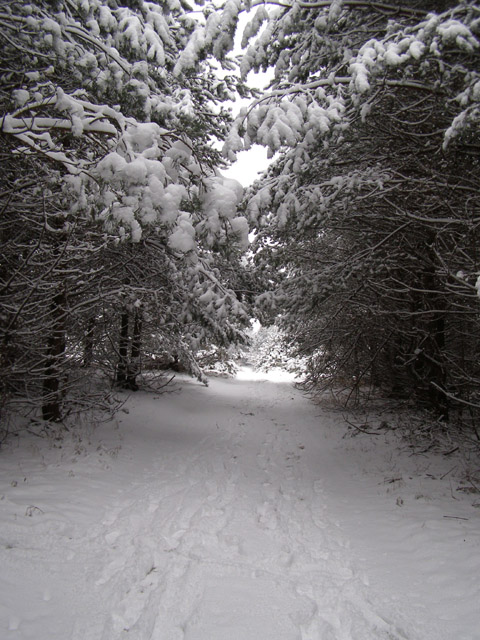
370	210
108	229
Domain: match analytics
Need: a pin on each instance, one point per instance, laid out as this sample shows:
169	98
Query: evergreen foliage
110	243
119	235
367	220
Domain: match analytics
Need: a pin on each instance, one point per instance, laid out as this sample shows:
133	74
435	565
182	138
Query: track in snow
225	534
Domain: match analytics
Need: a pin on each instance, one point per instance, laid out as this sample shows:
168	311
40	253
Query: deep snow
234	512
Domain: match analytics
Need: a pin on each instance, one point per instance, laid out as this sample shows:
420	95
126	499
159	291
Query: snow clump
220	204
183	237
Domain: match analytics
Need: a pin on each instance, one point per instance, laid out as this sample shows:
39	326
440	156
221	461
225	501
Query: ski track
187	557
224	535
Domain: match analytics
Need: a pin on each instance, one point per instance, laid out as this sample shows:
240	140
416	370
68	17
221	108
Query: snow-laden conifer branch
14	126
411	51
98	44
111	197
397	9
367	220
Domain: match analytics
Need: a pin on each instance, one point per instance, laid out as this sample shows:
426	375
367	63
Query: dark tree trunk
122	366
88	342
438	377
134	364
430	365
7	361
52	391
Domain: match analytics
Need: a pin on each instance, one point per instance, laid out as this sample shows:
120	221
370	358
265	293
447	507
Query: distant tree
271	349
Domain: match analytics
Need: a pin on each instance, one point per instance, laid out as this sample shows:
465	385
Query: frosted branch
15	126
380	6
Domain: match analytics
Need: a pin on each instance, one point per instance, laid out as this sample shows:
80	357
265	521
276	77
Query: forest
124	248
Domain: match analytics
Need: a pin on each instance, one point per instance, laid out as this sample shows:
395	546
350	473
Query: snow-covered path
210	514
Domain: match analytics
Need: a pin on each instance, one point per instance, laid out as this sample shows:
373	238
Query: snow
111	166
52	26
477	286
236	511
135	171
239	226
21	96
183	236
416	49
360	77
454	29
172	197
222	196
252	28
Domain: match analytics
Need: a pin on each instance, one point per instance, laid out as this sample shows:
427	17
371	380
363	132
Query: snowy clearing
234	512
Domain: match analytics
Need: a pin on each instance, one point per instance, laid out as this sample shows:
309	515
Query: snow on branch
15	126
435	55
326	4
98	44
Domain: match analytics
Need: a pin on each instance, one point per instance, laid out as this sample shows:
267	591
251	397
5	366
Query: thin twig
370	433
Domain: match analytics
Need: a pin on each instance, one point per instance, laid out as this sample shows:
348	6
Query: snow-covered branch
396	9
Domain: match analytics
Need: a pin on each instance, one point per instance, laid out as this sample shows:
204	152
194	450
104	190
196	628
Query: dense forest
124	247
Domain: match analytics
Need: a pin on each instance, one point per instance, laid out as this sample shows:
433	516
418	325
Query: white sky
252	162
249	164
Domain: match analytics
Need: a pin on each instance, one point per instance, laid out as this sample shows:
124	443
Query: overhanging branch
363	4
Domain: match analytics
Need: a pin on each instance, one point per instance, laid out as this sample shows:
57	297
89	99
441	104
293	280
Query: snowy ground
234	512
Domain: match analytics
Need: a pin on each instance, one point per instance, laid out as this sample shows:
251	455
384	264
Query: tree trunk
88	342
438	377
134	364
122	366
52	392
430	365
